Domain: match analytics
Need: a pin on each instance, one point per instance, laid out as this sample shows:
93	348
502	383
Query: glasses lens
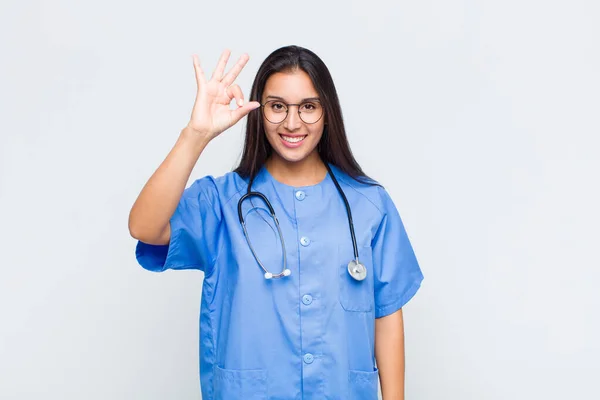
275	111
310	112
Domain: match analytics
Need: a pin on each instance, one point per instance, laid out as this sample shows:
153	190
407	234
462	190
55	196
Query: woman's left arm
389	355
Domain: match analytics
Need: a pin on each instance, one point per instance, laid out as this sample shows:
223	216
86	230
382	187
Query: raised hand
212	114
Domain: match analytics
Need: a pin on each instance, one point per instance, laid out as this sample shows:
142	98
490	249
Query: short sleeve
397	275
195	227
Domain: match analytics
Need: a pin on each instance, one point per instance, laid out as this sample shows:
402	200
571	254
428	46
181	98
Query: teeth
293	139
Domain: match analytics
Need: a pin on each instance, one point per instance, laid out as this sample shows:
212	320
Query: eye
277	106
309	107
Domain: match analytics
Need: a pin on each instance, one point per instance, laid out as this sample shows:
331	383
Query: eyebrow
301	101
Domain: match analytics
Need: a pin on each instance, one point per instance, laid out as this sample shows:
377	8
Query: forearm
156	203
389	354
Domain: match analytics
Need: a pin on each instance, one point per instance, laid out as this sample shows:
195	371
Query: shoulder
368	190
219	189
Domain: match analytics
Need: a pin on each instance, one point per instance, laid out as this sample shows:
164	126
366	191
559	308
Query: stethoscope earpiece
286	272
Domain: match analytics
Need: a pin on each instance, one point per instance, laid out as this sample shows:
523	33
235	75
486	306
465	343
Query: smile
293	139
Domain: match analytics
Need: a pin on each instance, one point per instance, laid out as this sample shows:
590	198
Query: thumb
242	111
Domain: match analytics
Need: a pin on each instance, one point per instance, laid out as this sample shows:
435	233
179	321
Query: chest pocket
358	296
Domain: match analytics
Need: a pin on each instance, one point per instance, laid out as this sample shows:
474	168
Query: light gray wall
480	117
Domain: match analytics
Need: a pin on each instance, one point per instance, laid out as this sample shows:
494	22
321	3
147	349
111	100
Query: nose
292	120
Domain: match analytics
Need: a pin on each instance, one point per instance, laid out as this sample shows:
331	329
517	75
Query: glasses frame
287	111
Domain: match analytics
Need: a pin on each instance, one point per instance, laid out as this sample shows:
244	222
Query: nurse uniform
309	335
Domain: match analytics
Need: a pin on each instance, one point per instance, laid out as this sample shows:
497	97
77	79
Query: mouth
292	141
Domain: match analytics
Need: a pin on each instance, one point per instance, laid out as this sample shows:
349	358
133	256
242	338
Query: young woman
306	261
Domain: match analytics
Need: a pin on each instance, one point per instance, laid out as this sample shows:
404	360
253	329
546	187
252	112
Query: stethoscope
356	270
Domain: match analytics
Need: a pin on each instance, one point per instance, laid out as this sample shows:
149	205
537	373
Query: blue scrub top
306	336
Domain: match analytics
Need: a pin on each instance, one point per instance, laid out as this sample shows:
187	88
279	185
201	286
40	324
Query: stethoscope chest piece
357	270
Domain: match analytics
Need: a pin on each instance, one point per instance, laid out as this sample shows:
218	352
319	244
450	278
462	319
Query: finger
235	91
200	78
239	113
235	71
218	72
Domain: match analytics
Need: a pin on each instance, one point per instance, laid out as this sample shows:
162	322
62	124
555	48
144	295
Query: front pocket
355	295
363	385
249	384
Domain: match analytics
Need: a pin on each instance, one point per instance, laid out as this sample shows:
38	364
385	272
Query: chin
293	155
293	158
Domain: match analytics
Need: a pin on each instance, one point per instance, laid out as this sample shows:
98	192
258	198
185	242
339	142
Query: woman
288	309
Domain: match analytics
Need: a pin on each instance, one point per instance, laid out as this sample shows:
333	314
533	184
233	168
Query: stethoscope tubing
285	271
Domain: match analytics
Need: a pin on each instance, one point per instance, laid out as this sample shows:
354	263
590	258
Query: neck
307	172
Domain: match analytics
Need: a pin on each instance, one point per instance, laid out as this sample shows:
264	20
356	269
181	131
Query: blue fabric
306	336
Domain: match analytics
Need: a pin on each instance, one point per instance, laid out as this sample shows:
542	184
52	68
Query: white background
480	117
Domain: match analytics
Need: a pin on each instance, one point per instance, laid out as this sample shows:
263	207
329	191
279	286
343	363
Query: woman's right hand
212	114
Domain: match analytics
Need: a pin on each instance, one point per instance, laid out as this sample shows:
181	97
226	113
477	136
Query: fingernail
240	102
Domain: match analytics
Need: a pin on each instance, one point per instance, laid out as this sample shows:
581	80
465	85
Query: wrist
193	138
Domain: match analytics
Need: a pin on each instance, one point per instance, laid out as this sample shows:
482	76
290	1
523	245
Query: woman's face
292	139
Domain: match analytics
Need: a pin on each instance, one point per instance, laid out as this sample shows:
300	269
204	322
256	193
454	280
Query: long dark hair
333	147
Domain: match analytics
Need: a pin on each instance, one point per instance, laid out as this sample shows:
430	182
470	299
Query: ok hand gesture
212	114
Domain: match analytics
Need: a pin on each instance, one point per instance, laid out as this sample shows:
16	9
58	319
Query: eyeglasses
276	111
